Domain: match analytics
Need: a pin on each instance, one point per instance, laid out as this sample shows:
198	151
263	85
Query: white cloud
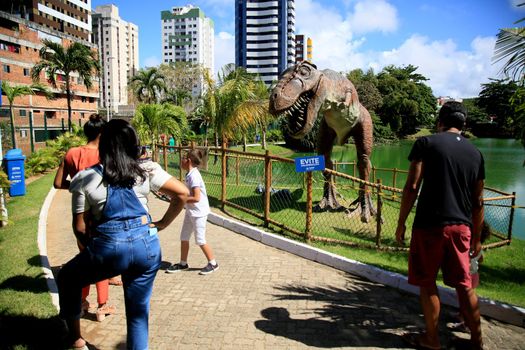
451	71
151	61
224	50
372	16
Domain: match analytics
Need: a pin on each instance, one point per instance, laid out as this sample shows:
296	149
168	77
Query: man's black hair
453	115
94	126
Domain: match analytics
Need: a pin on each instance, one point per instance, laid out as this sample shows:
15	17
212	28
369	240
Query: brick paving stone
260	298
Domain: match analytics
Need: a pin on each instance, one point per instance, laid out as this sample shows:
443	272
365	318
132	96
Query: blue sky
451	41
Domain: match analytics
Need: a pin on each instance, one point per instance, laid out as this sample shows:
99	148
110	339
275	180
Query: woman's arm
178	193
61	181
80	228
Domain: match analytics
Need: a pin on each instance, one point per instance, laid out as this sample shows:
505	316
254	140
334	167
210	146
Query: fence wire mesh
242	194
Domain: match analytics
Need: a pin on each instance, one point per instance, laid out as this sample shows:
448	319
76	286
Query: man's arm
478	215
410	191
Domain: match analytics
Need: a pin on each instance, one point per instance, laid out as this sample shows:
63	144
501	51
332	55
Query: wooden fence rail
295	213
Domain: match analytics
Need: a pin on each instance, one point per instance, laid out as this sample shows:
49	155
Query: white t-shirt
90	193
202	207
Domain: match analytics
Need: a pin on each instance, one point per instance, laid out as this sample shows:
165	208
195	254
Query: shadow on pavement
363	315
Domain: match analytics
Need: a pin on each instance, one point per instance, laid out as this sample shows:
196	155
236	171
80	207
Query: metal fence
237	181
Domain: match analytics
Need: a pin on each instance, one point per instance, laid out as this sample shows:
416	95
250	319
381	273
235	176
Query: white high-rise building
188	36
118	44
265	36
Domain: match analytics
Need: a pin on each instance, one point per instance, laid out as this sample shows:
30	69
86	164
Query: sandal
115	281
105	310
414	340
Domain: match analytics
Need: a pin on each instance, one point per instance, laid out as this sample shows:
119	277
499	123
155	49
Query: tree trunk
68	96
12	117
244	143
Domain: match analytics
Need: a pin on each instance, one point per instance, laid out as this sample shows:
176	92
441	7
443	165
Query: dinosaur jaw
300	115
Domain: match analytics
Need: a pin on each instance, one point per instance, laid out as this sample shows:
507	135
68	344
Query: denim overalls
124	245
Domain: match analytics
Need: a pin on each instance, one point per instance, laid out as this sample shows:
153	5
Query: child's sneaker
176	268
209	269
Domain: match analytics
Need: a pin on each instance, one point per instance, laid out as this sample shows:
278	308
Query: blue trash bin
14	163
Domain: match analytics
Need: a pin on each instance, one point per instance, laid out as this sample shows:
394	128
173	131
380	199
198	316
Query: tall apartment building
37	118
188	36
303	48
71	17
118	44
265	36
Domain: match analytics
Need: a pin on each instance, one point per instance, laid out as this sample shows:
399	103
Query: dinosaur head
296	97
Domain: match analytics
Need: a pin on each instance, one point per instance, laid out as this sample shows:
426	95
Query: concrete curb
503	312
42	248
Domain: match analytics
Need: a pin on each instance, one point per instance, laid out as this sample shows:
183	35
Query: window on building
22	113
26	72
84	99
6	68
91	99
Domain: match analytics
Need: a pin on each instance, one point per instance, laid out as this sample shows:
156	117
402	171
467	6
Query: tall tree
14	91
407	101
495	99
57	60
153	120
180	78
148	85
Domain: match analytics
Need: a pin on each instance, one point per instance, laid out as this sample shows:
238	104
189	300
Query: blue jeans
136	256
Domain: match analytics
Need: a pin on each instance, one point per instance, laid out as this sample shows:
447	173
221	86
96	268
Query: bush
274	135
50	157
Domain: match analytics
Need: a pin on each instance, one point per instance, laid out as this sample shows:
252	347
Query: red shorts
444	247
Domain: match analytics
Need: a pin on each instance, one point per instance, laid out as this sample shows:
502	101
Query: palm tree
56	59
14	91
152	120
233	90
510	45
148	85
208	106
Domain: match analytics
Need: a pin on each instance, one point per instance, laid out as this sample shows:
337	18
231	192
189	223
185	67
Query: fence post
513	203
165	155
237	174
223	159
308	226
267	186
394	178
31	132
379	208
180	162
46	132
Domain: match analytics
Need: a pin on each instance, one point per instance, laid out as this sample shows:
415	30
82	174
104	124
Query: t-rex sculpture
301	94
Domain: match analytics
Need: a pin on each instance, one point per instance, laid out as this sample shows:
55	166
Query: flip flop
414	340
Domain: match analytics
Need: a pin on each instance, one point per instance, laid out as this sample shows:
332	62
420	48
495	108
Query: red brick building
20	41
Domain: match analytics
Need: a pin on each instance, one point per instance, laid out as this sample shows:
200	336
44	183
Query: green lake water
503	167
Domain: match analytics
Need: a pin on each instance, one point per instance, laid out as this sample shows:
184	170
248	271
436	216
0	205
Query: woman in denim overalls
109	203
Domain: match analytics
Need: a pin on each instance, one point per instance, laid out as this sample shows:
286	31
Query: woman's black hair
119	150
94	126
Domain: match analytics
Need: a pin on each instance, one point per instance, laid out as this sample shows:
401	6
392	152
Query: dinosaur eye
305	71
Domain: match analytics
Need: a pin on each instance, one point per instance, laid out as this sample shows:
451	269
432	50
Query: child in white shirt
197	210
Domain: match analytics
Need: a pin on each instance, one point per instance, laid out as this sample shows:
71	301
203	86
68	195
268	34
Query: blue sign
313	163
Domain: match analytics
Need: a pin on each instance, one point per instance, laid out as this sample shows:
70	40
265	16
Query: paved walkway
260	298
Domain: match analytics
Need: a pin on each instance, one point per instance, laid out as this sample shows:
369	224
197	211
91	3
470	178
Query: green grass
502	273
27	316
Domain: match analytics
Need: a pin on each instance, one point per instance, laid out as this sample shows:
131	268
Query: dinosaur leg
363	136
325	143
